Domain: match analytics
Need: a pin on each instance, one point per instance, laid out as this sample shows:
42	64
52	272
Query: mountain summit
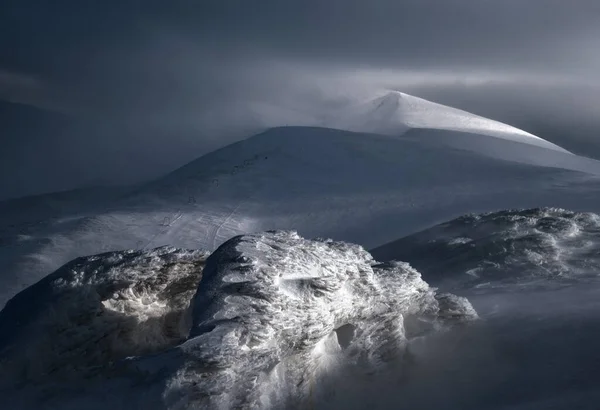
394	113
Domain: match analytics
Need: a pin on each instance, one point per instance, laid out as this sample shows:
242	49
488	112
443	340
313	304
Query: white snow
274	314
278	316
394	112
532	248
97	310
364	188
374	171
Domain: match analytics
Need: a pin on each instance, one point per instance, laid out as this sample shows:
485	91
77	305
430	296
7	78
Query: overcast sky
146	76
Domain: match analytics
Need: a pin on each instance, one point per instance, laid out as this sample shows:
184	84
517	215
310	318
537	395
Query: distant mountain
44	151
29	145
15	116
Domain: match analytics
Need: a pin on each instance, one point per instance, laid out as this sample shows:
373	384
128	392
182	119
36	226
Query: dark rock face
96	310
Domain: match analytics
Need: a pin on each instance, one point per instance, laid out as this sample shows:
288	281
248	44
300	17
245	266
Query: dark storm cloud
146	76
412	32
125	50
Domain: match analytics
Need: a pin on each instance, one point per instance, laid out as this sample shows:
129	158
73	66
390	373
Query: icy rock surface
532	248
276	313
96	310
270	324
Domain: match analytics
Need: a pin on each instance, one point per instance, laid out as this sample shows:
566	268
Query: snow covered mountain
364	188
273	320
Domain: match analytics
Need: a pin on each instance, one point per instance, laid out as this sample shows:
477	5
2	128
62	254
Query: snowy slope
383	112
365	188
530	248
278	315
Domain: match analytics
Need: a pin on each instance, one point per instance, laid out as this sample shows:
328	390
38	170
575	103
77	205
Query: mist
519	356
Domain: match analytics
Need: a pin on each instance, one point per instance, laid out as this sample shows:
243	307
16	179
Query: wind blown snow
394	113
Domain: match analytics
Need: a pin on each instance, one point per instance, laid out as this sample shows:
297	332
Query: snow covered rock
272	320
532	248
96	310
276	313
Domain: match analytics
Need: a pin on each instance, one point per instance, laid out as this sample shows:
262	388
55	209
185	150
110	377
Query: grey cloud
142	77
410	32
158	55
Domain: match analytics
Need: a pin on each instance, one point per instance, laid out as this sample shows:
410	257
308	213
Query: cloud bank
176	77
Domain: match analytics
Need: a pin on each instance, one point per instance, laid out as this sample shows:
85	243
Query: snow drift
273	316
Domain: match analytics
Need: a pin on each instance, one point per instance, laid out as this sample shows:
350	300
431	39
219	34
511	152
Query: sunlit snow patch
275	314
393	113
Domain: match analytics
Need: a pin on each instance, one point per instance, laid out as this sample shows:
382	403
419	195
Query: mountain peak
393	113
391	99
